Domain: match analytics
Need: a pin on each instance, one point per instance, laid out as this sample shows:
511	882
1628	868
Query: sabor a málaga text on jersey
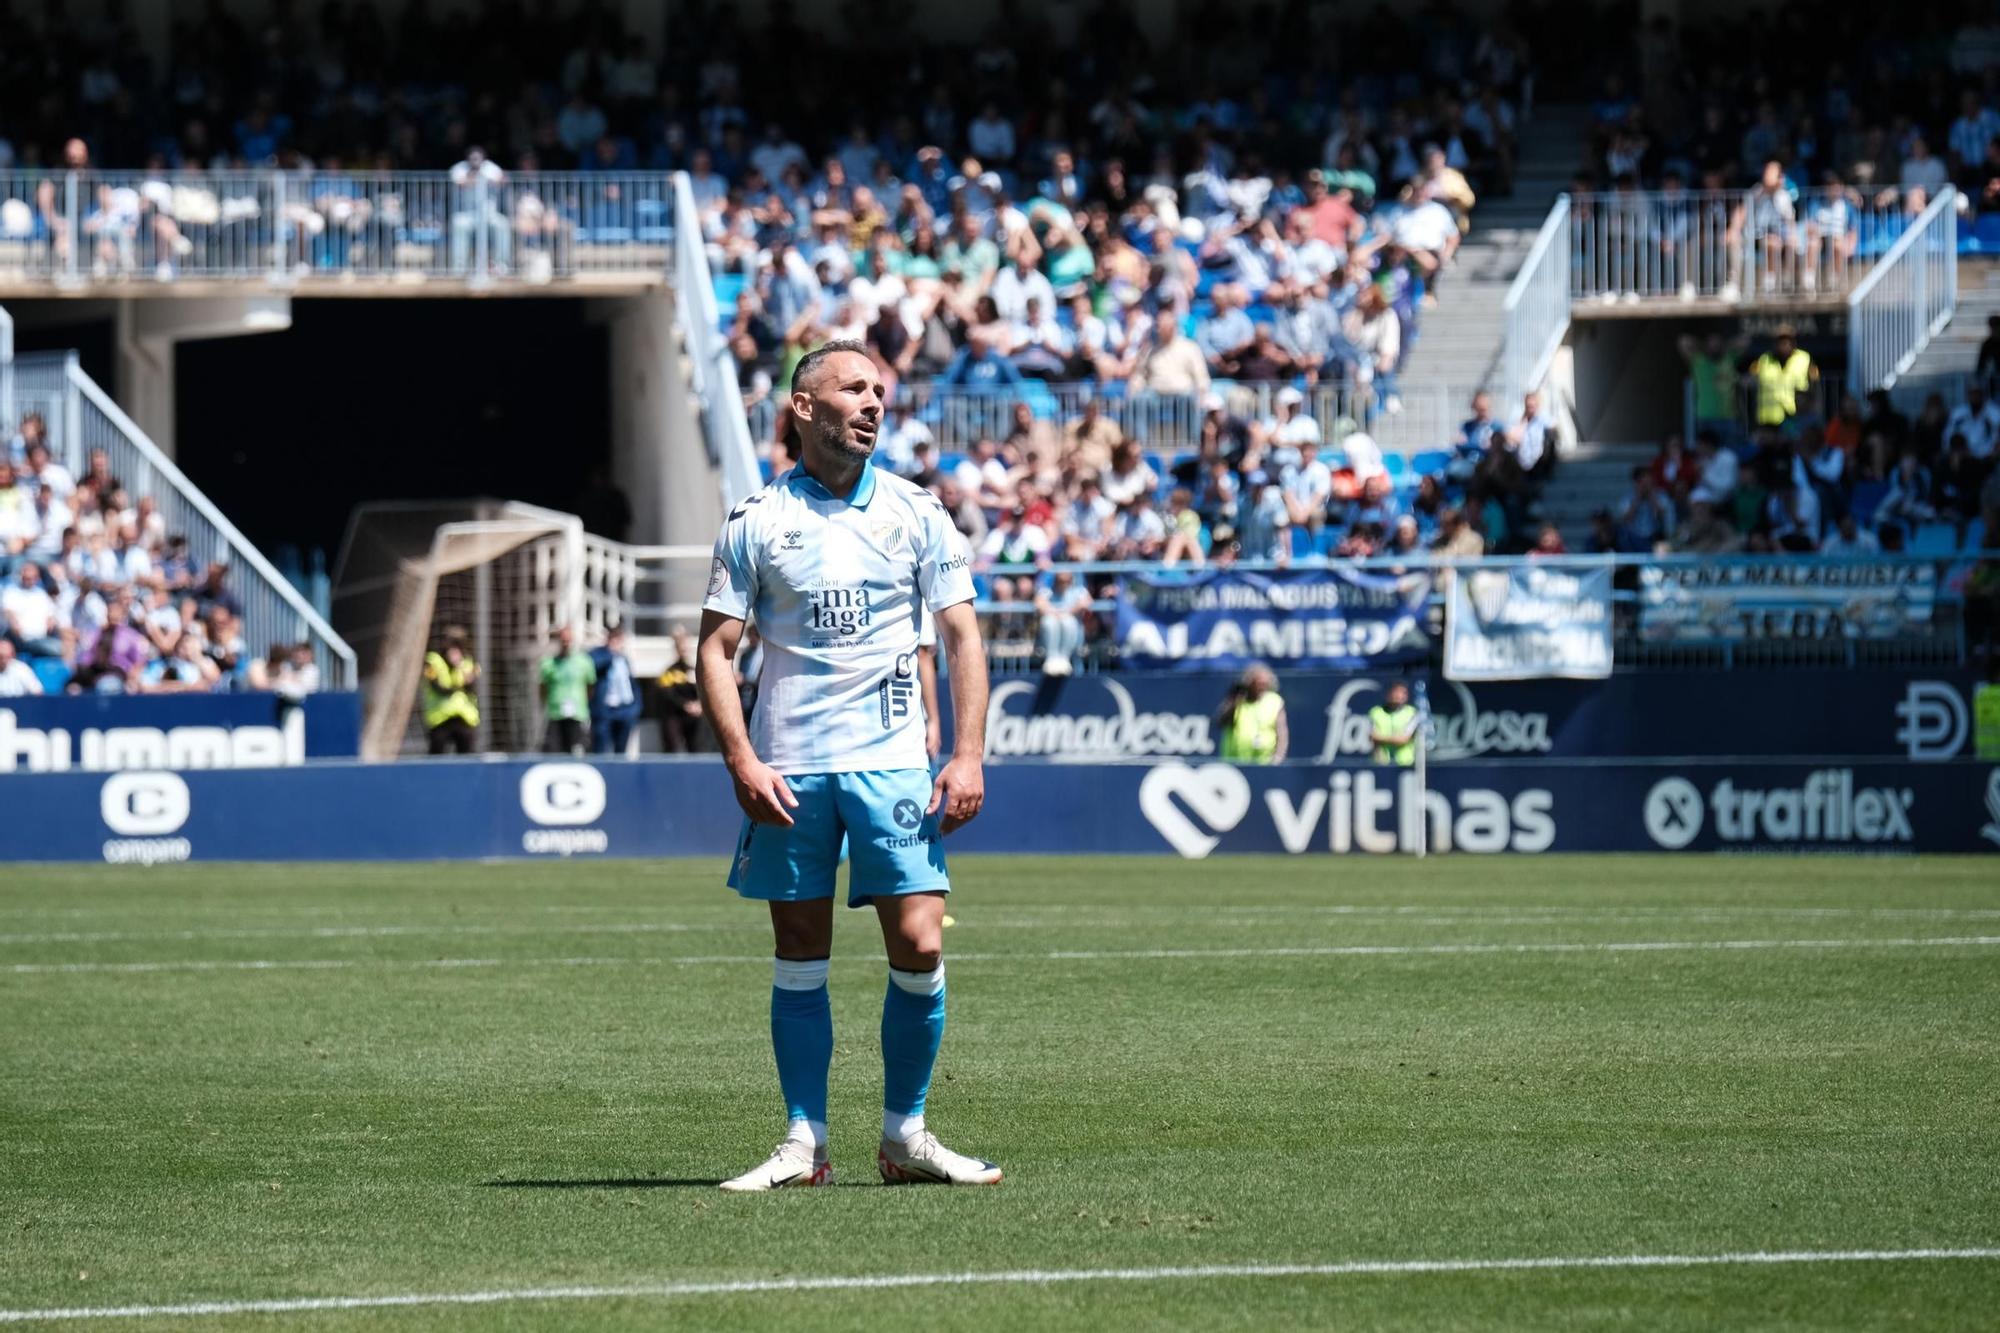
838	590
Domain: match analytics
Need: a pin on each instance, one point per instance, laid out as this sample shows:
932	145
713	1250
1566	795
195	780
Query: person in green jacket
566	679
1252	720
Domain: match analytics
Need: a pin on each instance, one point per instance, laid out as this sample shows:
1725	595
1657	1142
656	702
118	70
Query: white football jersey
838	590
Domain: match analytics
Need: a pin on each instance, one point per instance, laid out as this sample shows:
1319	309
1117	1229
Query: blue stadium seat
1867	498
728	292
1934	539
1431	462
1396	465
50	671
1985	234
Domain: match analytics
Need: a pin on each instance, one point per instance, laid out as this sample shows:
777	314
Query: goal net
508	575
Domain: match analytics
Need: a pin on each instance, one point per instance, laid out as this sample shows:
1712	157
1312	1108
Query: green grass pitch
479	1079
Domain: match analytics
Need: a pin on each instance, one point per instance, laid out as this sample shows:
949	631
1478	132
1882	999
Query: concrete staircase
1955	350
1459	344
1592	477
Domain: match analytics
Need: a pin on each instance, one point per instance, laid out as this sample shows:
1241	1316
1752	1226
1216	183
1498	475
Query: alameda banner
1225	619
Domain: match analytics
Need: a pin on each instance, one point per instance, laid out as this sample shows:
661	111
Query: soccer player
837	563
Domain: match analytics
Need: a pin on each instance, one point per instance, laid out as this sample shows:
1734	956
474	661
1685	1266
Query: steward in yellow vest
1392	726
451	710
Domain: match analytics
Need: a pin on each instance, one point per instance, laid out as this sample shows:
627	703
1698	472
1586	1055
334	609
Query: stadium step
1460	340
1592	477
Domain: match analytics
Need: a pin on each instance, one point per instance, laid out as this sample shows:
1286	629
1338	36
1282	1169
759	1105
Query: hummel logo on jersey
837	612
792	540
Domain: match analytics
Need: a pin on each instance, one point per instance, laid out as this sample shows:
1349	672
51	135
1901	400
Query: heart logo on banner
1218	794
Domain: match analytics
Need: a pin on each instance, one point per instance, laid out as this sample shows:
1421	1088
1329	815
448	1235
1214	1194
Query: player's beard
834	437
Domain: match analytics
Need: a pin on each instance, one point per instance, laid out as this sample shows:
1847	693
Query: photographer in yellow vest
1392	727
1252	720
451	710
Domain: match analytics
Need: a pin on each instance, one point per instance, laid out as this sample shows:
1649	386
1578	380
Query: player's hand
763	793
959	792
933	738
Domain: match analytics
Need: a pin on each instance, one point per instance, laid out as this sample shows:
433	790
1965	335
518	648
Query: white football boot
791	1164
922	1160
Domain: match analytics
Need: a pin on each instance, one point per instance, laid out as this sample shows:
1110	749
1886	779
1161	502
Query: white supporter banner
1529	622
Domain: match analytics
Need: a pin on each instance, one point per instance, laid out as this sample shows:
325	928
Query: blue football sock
912	1028
802	1038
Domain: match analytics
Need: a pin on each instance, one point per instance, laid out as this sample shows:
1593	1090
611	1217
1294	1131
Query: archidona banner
1705	603
1529	623
1227	619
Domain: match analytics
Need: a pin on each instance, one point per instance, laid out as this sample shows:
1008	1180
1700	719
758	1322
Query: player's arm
961	788
927	680
763	794
1284	738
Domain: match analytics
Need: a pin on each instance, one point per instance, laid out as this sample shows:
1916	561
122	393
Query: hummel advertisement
106	732
466	809
1924	715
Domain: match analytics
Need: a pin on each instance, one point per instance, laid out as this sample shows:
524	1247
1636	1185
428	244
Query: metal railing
1731	245
83	420
1910	295
717	396
1827	630
1536	311
1426	416
287	228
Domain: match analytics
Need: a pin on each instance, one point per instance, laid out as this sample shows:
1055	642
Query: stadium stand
100	597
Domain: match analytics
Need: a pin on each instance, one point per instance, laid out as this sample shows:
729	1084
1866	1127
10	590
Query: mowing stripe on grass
1052	956
1035	1277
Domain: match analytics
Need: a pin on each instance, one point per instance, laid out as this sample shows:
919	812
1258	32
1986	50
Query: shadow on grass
628	1183
635	1183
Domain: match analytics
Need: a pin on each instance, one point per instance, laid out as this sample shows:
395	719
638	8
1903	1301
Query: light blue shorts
876	818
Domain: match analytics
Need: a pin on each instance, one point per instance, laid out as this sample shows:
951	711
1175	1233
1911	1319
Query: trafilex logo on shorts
836	613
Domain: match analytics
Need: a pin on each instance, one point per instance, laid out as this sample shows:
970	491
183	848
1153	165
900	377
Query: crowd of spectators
1260	487
97	597
1872	99
1254	171
1862	479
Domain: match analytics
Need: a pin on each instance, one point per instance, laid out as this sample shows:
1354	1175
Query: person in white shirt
983	475
1307	486
1717	481
476	207
1977	419
1086	521
28	615
1364	457
1138	532
45	474
1017	284
1850	539
17	678
838	562
1059	611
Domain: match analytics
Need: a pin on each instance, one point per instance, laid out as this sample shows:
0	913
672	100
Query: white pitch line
1052	956
1221	915
1032	1277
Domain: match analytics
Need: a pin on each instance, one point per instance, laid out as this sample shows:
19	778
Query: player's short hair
809	363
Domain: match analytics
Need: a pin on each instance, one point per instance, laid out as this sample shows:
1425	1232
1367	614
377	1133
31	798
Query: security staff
1780	376
1392	726
451	711
1252	721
